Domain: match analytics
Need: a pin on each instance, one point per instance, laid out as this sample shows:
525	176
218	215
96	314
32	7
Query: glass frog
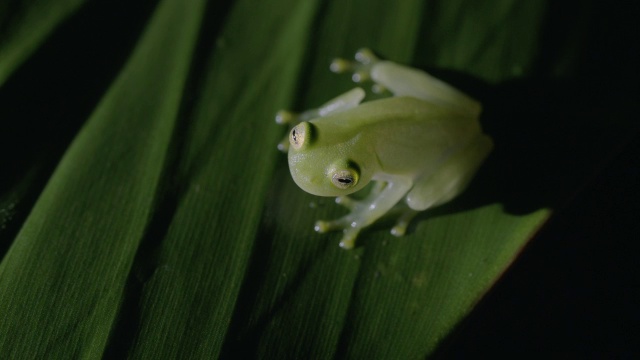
421	146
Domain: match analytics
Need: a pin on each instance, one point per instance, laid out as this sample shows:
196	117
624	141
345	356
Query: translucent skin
399	136
423	146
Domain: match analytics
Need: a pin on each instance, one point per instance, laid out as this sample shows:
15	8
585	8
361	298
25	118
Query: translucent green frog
421	146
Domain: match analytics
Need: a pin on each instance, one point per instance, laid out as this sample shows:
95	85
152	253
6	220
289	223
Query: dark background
575	289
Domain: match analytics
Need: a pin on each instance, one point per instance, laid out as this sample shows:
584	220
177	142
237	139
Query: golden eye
344	179
299	135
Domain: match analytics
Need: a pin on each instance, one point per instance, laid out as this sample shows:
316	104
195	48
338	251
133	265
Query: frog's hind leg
450	179
346	101
405	81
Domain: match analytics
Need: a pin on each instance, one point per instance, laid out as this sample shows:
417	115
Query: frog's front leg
365	212
350	203
405	81
346	101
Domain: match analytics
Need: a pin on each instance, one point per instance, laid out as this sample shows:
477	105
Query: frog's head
322	169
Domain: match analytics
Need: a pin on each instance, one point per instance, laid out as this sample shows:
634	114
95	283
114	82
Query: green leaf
171	226
74	251
25	25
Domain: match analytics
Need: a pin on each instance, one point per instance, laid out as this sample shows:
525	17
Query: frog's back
405	133
390	110
394	115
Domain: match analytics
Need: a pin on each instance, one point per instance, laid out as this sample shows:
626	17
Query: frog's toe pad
348	240
399	230
361	68
365	56
360	72
340	66
378	89
322	226
360	76
283	145
350	233
284	117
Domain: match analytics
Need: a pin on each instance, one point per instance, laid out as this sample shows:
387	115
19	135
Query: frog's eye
300	135
344	179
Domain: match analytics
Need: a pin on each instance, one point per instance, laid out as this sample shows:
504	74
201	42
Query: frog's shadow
550	137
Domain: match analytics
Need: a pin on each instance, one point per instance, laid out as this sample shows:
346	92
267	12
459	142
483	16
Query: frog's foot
350	233
360	69
400	228
323	226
